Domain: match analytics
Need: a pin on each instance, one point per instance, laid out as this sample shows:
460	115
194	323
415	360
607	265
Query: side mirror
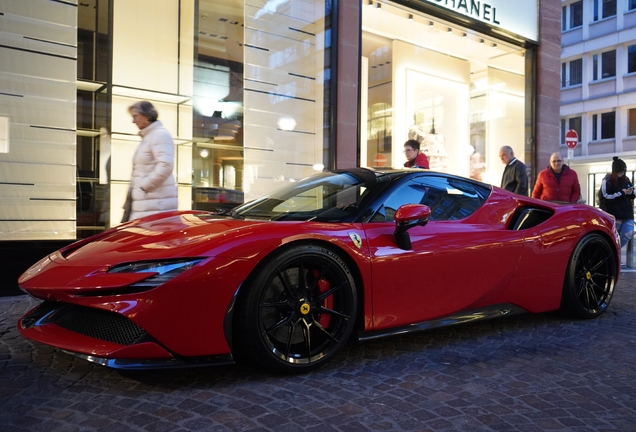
406	217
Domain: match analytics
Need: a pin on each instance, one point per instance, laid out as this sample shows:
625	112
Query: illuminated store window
260	98
379	126
243	88
461	94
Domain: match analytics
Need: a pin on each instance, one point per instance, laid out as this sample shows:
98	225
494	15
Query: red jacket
421	161
548	188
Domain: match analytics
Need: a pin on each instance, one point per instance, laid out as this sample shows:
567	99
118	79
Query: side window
448	198
454	198
411	192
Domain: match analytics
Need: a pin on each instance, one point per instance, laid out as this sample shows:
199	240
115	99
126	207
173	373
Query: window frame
603	68
568	70
631	122
447	192
571	124
564	74
607	65
572	16
631	57
605	134
579	74
604	9
578	128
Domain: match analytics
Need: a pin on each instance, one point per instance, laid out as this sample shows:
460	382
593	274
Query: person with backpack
617	199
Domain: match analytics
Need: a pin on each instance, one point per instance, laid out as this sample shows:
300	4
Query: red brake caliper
324	286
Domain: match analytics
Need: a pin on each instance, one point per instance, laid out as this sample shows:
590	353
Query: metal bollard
629	258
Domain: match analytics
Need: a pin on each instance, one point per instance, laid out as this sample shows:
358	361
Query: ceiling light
450	30
494	45
465	35
411	17
286	123
378	5
430	23
370	2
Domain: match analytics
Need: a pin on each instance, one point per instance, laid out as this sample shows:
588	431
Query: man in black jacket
515	176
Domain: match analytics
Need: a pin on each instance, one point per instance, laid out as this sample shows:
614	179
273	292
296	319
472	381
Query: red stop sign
571	139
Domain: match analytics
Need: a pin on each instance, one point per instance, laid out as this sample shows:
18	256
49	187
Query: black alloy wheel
590	278
299	310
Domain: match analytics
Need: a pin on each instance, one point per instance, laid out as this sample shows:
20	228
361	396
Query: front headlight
36	268
166	270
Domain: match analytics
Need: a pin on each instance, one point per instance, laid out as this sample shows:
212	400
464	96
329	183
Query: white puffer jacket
152	185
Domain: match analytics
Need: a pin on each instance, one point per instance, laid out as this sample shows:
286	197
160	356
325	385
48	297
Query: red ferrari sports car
286	280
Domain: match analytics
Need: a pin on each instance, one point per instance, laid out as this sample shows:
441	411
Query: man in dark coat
557	182
515	177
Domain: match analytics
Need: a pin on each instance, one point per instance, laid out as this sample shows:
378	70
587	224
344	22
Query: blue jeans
625	230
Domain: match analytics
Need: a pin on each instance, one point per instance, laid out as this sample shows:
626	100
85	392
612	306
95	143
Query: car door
453	264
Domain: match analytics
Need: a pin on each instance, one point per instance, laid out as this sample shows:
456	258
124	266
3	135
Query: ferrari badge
356	239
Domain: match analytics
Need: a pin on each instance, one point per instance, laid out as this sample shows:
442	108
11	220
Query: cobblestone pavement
522	373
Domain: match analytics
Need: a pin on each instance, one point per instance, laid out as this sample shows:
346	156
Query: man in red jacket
557	182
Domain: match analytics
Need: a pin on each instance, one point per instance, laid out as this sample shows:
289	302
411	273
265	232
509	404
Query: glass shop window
461	96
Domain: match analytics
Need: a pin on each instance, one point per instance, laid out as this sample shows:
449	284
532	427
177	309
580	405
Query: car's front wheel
590	278
298	310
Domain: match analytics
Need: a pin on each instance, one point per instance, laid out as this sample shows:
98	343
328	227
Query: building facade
598	87
256	94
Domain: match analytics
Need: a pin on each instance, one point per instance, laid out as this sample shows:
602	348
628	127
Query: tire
590	278
298	310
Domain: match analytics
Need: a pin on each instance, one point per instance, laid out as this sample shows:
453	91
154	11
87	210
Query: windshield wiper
234	215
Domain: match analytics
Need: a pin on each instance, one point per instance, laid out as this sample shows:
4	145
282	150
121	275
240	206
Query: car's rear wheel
298	310
590	278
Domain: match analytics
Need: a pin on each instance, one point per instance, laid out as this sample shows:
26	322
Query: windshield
329	197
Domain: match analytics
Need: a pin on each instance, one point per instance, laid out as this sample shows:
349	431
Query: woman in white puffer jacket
152	187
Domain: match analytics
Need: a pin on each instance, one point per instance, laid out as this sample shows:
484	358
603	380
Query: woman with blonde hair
152	186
